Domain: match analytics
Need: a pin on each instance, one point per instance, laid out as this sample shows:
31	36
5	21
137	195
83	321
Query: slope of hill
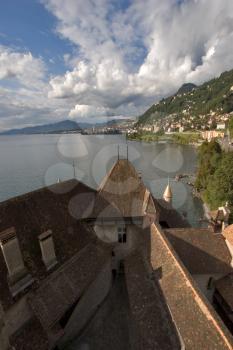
186	88
215	95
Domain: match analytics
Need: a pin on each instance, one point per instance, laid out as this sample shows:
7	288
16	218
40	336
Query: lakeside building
112	268
212	134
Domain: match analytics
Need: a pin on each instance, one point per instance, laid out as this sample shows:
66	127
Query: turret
167	196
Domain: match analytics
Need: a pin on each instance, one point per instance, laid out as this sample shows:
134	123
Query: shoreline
163	140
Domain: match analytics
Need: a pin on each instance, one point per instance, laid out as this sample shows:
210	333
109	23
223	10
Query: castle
111	268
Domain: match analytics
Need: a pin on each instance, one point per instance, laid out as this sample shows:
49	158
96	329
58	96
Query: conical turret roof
168	191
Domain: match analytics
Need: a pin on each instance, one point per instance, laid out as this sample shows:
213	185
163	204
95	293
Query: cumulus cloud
138	54
28	70
124	58
85	111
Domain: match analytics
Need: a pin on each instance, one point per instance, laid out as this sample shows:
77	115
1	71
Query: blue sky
88	60
30	27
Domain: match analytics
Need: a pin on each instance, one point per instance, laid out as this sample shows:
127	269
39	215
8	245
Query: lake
28	162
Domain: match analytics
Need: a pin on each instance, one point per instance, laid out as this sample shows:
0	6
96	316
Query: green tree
230	126
209	155
220	185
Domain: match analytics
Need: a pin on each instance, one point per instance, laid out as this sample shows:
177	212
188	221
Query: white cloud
183	42
26	69
124	59
85	111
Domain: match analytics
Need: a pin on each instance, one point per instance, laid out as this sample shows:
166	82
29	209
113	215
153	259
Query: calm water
33	161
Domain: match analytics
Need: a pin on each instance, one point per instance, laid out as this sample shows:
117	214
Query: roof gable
123	189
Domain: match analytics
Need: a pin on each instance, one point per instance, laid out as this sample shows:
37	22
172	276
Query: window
122	238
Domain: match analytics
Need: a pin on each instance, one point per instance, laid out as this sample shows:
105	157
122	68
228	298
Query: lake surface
28	162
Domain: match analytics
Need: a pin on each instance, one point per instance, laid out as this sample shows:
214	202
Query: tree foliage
209	155
230	127
220	185
215	95
215	176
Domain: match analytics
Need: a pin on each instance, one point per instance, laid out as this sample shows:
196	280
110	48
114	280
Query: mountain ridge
59	127
215	95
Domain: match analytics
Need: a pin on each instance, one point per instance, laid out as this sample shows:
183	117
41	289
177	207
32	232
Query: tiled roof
58	292
169	215
155	327
30	337
200	250
199	325
225	288
36	212
122	189
228	233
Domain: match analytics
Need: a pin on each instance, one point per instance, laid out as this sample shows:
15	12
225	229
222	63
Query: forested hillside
215	95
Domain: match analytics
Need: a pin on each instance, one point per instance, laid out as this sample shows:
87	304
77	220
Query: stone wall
109	233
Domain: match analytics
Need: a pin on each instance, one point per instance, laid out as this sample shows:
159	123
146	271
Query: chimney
47	249
18	277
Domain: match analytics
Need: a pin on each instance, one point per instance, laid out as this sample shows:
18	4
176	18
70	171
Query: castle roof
122	193
225	287
152	318
36	212
228	233
59	291
155	276
200	250
167	192
197	321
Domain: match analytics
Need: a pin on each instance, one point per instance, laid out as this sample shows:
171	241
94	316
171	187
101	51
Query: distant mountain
186	88
215	95
63	126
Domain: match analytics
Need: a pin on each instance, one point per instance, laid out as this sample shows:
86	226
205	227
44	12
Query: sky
95	59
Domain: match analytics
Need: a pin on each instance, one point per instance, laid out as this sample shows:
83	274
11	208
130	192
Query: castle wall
88	304
109	234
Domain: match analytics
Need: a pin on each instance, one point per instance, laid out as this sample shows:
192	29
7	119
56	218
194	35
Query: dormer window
122	238
47	249
18	277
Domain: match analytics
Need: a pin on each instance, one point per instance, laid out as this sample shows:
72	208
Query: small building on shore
212	134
